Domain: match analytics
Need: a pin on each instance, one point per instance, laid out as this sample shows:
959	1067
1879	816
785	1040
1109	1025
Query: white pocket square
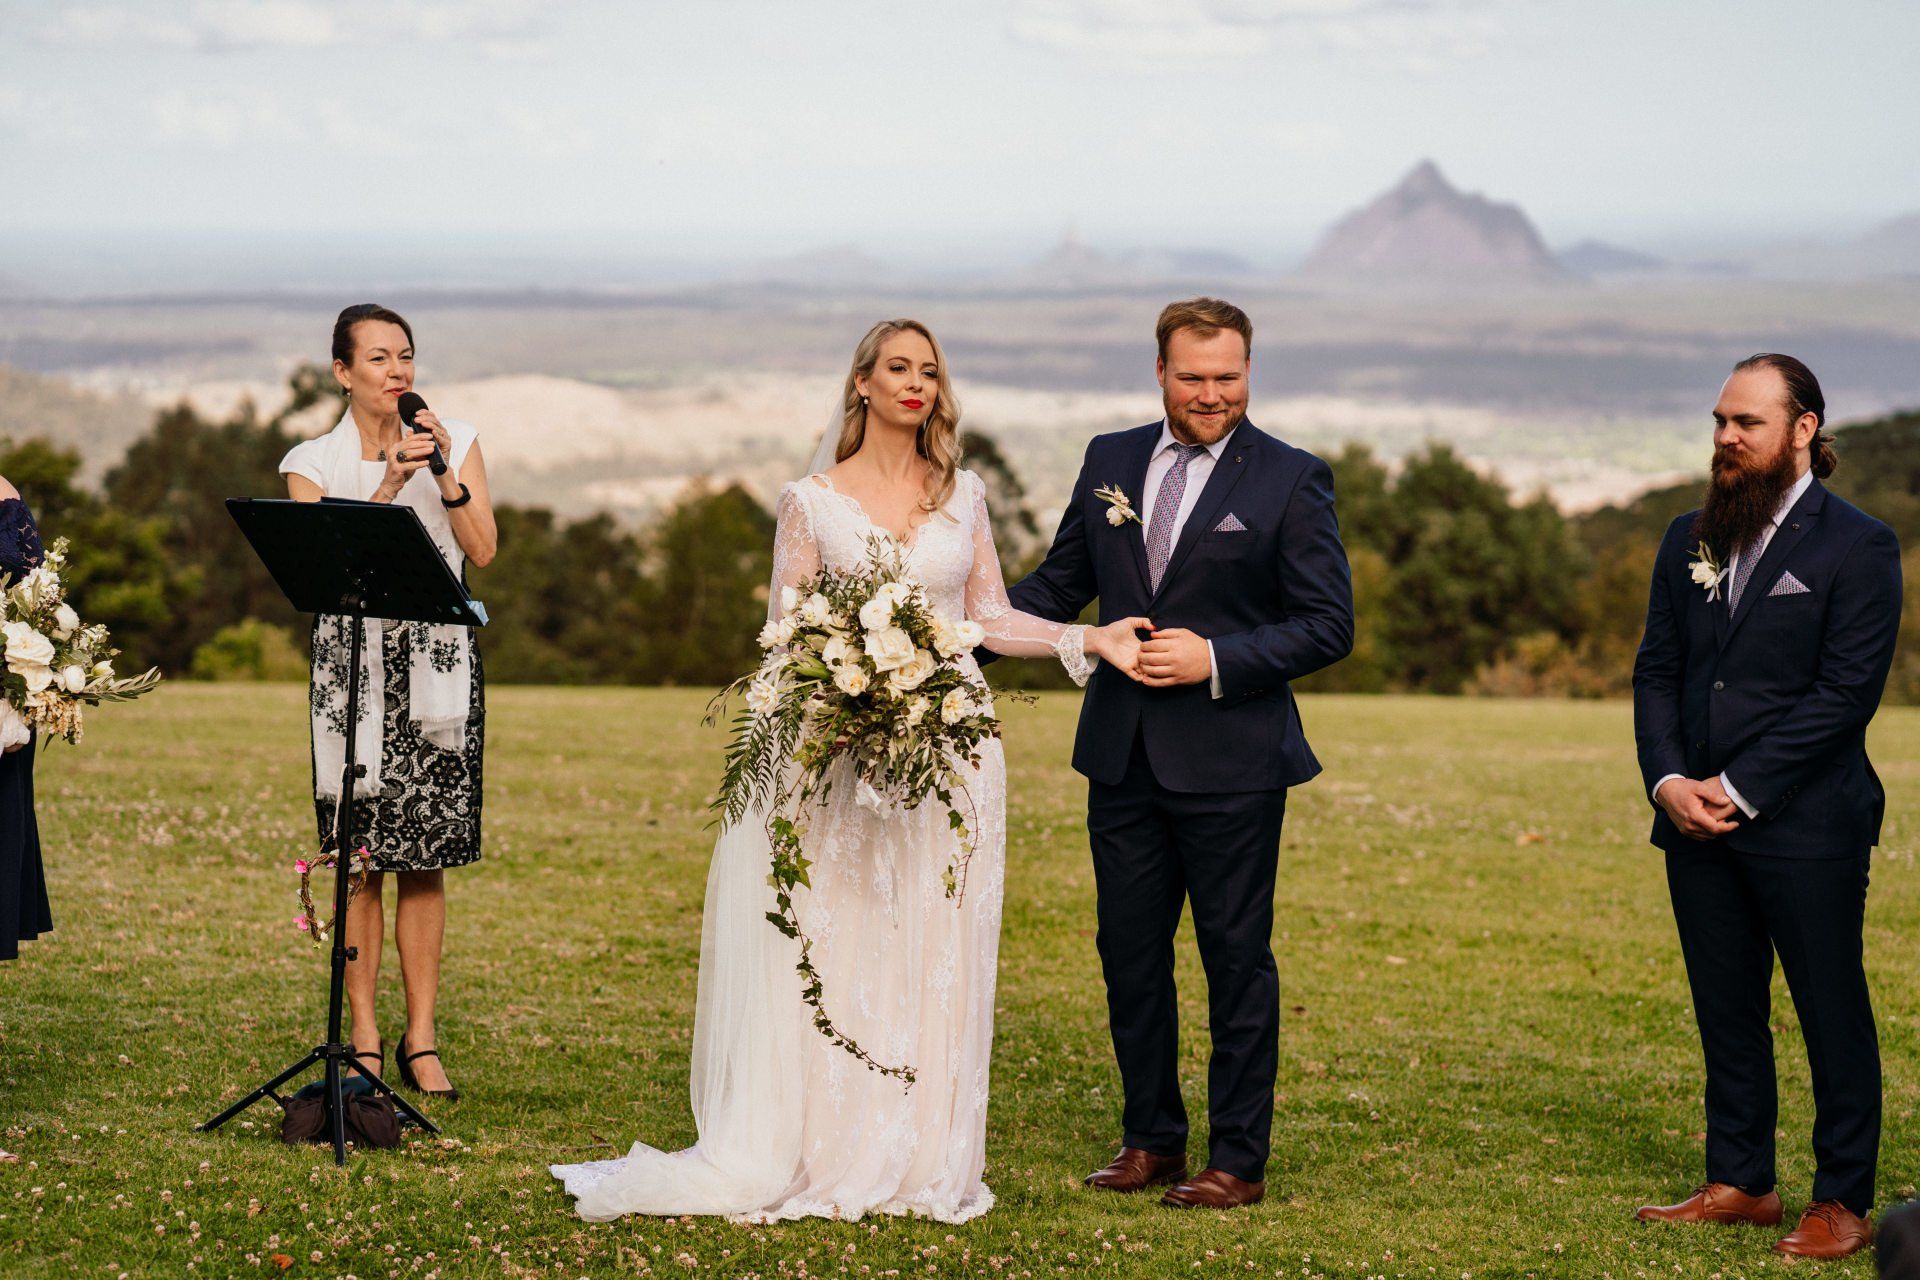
1232	525
1789	586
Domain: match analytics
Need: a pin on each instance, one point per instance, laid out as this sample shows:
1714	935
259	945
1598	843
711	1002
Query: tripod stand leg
263	1091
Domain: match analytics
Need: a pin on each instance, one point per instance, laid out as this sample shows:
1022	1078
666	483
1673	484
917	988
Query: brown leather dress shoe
1828	1229
1717	1202
1213	1189
1136	1170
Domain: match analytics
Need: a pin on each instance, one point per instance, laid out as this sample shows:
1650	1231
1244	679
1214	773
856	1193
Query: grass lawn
1487	1058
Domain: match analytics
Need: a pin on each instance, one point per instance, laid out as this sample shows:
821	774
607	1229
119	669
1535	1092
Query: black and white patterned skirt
427	815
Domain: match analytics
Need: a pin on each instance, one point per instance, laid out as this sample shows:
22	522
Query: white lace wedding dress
791	1126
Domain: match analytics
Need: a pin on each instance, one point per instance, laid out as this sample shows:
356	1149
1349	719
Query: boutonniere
1119	506
1707	571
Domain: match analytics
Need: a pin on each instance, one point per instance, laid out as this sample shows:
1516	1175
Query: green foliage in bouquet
863	686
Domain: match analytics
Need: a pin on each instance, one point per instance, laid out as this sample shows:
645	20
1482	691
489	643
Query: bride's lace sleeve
1010	632
796	554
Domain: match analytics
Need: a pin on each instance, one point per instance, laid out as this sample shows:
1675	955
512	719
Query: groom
1226	538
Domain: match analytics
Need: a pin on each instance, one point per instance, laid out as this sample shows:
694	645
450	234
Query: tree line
1459	585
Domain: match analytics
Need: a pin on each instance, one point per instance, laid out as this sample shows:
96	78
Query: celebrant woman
422	711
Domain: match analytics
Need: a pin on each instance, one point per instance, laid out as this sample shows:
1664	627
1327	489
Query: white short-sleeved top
304	459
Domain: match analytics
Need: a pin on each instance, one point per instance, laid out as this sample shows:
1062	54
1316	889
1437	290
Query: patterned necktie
1166	511
1749	561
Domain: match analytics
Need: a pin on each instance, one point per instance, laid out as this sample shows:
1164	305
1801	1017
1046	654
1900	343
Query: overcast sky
728	128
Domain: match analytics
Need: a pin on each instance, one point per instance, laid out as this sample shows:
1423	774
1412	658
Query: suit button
1700	745
1718	685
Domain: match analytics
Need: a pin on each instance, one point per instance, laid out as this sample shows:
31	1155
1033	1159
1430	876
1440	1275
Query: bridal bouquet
860	670
56	665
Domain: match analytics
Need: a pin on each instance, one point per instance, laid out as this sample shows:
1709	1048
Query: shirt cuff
1654	795
1726	784
1213	672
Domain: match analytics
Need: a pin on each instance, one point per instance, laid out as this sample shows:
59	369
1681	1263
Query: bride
789	1124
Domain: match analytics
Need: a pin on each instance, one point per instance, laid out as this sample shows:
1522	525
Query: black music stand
360	560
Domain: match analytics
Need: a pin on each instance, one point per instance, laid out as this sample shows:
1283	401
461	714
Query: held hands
1702	810
1118	643
1174	655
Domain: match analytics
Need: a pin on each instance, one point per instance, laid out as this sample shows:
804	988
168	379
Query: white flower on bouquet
850	680
73	679
839	651
877	613
775	634
103	671
955	706
14	731
917	710
946	638
816	611
789	600
889	648
29	655
971	634
65	621
763	694
913	673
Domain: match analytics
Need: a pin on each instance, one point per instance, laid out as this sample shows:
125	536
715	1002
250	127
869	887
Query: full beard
1204	430
1742	500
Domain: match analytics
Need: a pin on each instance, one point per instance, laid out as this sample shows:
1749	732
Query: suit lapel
1133	484
1798	524
1227	470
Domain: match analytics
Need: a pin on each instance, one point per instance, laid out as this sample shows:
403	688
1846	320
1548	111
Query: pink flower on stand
300	923
300	866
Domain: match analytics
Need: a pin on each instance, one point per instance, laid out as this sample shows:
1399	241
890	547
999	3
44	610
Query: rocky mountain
1425	232
1073	264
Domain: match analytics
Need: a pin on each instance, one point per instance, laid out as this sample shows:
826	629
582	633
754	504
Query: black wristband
466	496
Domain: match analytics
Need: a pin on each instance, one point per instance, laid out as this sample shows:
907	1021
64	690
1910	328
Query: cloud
494	27
1148	35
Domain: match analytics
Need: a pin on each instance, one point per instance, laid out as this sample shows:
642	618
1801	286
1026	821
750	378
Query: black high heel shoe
403	1059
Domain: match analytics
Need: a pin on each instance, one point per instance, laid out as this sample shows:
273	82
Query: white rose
877	613
74	679
29	654
13	727
66	621
971	634
955	707
789	600
762	695
945	638
850	680
895	592
838	651
1116	517
889	648
913	673
816	610
917	711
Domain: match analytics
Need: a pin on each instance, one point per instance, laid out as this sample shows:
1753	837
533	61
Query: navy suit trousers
1153	851
1735	911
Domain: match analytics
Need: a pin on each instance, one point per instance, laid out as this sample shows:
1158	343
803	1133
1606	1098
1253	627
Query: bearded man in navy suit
1226	538
1770	631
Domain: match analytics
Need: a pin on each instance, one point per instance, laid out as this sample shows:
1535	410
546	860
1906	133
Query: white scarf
439	683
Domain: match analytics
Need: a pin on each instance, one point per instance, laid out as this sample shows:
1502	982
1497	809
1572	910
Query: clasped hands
1170	656
1701	809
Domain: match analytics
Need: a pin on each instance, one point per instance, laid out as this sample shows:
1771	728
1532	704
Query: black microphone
411	403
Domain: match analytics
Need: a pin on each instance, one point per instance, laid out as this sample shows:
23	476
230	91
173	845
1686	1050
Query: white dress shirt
1733	567
1199	467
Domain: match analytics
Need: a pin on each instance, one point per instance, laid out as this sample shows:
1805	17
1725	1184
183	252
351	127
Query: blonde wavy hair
939	441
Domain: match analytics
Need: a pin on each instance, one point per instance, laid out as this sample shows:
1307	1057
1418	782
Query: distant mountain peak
1426	231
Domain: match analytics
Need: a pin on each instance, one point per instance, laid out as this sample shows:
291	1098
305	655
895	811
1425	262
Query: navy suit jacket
1778	695
1274	597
